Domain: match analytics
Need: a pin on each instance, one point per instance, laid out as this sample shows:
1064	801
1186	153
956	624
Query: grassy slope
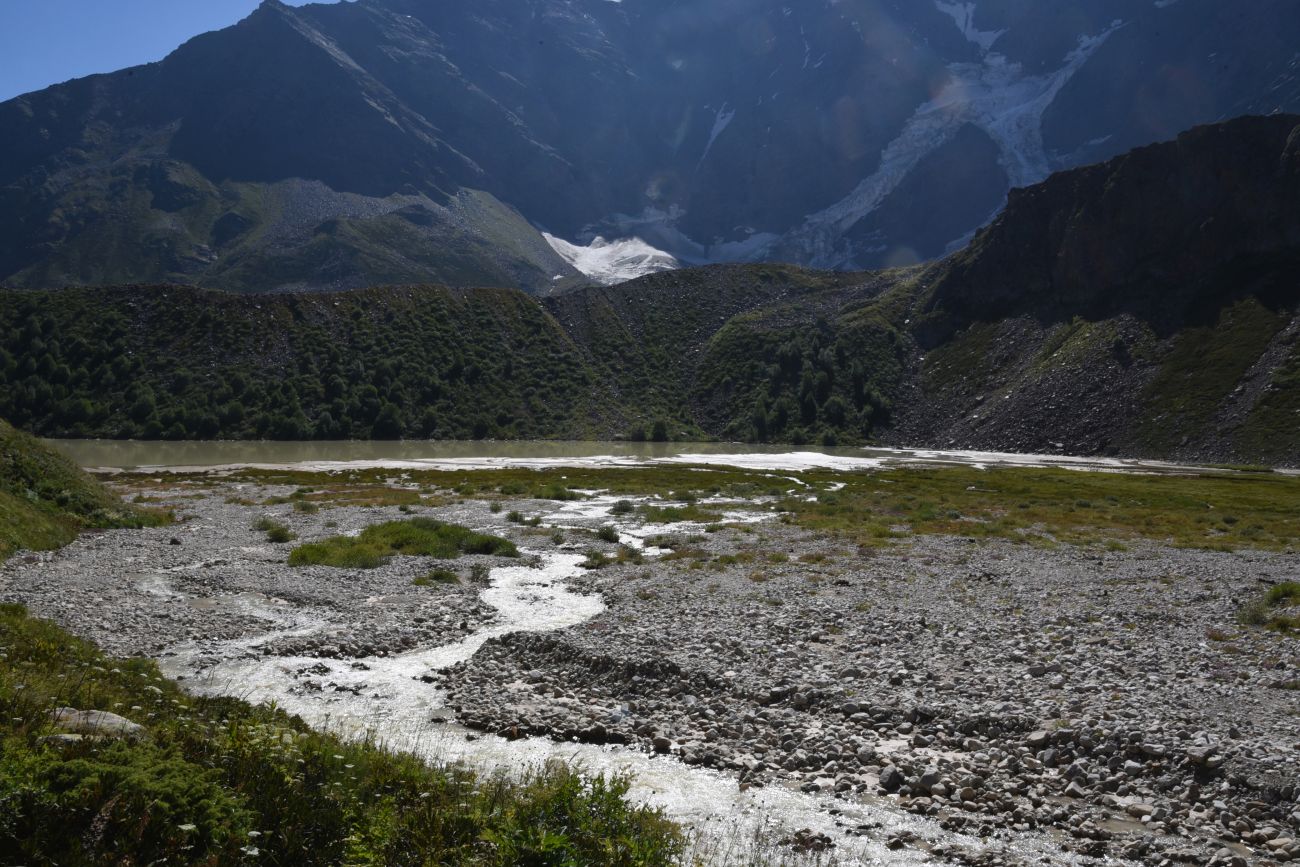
45	499
216	779
152	220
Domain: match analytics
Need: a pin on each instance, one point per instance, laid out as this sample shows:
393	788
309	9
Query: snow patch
963	15
610	262
720	123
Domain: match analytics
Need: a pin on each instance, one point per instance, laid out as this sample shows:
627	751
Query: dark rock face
830	134
1140	233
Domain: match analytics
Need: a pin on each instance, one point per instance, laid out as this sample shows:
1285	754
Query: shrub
556	492
607	534
595	560
622	507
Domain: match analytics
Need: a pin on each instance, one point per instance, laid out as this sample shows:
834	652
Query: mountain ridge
829	135
1195	355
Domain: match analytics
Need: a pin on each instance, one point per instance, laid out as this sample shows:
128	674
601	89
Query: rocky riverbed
1103	703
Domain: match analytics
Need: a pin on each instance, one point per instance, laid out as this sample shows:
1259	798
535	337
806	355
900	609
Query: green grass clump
276	532
555	491
1277	609
678	514
607	533
418	537
46	499
216	778
437	576
595	560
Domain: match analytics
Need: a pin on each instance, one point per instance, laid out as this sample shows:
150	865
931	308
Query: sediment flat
1025	701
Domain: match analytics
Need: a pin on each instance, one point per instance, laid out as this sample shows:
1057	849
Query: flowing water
434	455
394	700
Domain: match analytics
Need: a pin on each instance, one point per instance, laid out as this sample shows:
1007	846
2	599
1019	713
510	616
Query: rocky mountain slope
344	145
1143	306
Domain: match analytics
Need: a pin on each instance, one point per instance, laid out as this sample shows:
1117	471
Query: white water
386	699
112	455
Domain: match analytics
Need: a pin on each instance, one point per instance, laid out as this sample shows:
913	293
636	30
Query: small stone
1039	739
97	723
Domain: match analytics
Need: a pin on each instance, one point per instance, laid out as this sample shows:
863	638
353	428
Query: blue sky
44	42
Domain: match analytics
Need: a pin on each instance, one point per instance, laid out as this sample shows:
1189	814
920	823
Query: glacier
610	262
996	96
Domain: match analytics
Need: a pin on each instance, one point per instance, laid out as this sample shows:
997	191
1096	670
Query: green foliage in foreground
45	499
218	781
418	537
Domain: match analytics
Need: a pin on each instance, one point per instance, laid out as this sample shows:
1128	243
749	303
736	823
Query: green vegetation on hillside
180	363
171	362
418	537
219	781
759	353
1204	366
45	499
826	382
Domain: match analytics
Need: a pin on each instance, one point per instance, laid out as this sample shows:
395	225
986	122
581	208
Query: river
108	455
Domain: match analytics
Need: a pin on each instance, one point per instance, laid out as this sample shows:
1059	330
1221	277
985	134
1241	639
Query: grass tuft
418	537
1277	609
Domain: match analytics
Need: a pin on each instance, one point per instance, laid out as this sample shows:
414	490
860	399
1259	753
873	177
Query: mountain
1147	306
540	144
